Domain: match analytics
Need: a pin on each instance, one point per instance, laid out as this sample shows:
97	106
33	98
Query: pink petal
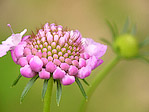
27	51
29	57
25	37
44	74
99	62
62	41
8	41
64	66
93	48
11	42
36	64
58	73
23	61
84	72
75	63
45	61
16	38
50	67
57	62
3	50
49	37
92	62
67	80
26	71
82	62
19	50
13	56
73	70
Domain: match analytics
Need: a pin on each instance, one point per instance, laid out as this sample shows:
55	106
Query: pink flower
55	52
11	42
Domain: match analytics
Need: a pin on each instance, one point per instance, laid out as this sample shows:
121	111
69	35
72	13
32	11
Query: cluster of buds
56	52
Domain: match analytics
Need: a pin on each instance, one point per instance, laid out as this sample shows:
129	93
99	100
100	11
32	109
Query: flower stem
47	98
98	80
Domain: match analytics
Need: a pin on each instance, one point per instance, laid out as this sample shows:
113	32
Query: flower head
55	52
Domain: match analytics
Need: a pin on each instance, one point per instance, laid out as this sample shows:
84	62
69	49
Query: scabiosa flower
56	52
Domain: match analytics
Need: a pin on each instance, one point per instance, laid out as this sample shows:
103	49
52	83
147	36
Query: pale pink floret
84	72
34	51
75	63
66	36
86	55
82	62
43	74
73	70
49	37
39	54
99	62
54	50
92	62
22	61
11	42
58	73
29	57
26	71
50	67
3	50
57	62
46	27
64	66
27	51
18	51
45	61
25	37
41	33
67	80
93	48
36	64
62	41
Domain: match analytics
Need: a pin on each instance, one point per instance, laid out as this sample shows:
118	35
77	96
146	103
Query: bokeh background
125	89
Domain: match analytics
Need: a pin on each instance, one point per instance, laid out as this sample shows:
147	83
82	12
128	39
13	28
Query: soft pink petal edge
93	48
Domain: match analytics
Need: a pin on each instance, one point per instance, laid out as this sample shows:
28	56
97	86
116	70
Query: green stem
47	98
98	80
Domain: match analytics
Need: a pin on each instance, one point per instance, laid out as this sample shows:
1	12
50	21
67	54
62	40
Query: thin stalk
48	96
98	79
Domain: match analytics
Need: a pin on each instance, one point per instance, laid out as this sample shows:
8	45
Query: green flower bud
126	46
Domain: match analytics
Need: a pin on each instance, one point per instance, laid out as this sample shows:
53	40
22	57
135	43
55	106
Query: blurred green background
125	89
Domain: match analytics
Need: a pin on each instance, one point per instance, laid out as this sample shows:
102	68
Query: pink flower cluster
58	53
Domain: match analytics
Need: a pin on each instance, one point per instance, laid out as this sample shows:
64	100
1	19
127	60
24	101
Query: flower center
56	44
